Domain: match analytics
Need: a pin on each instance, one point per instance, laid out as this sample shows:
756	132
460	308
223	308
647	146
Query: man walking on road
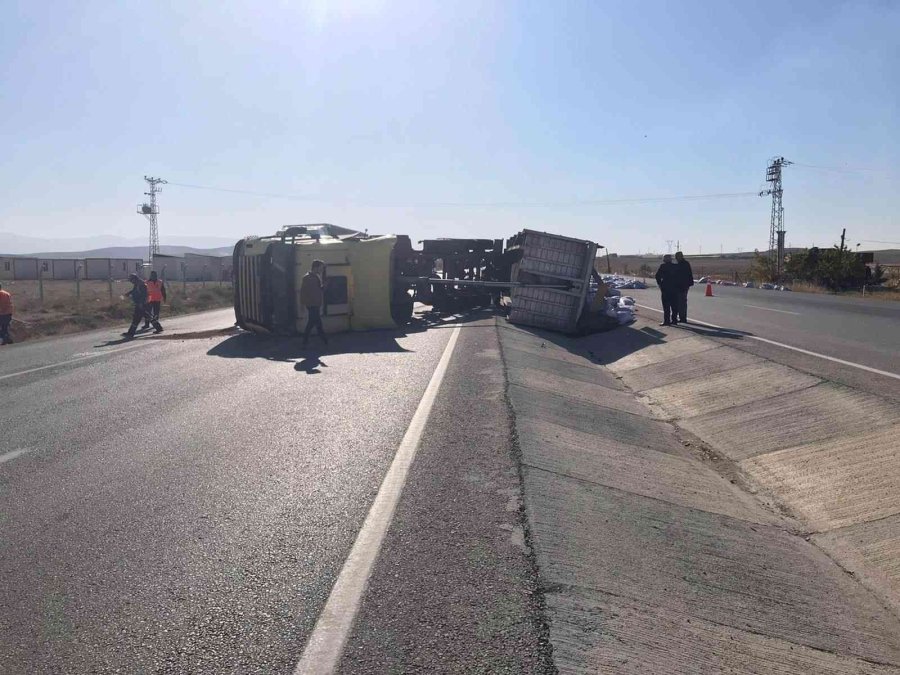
6	312
685	281
138	295
156	294
667	280
312	296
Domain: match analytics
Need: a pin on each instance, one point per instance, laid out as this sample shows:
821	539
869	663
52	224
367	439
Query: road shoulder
454	588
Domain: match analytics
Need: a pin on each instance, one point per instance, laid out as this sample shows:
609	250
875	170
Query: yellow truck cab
360	288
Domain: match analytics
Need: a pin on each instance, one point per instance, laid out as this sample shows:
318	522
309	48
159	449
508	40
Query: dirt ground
733	269
62	311
722	267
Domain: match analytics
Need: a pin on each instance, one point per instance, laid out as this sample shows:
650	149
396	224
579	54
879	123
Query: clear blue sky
383	113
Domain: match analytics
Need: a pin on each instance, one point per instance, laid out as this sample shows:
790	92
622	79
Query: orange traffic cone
709	290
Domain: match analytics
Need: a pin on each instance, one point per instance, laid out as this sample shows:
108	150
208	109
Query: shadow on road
290	348
618	343
709	331
197	334
113	343
246	345
310	365
431	320
614	344
141	334
145	334
605	347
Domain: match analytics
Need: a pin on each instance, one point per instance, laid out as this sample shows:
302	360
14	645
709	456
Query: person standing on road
138	295
156	294
312	296
6	312
667	280
685	281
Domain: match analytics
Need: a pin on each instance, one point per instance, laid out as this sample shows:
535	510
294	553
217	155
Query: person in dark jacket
138	295
685	281
312	296
667	280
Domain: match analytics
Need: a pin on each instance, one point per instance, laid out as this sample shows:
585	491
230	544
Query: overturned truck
374	281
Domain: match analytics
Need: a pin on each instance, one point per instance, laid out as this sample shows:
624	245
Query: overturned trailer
550	279
374	281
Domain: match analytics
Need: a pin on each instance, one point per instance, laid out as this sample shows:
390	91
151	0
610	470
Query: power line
875	241
575	202
244	192
840	169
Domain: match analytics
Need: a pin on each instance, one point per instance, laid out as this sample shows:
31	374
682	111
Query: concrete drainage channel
694	508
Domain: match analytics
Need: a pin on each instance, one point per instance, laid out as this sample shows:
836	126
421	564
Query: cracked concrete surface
653	556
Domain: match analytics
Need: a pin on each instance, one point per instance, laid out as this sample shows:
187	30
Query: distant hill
17	244
130	252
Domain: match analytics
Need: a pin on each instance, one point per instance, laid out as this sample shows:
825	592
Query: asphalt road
184	503
861	331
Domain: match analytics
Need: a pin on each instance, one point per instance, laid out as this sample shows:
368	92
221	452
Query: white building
6	267
111	268
168	267
25	268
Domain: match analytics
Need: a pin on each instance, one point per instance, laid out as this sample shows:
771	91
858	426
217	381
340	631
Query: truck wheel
402	308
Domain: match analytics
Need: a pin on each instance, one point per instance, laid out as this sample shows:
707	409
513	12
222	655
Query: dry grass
874	294
61	312
726	268
893	278
804	287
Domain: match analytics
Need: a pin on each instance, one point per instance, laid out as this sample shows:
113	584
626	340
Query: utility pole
843	236
151	212
776	225
669	245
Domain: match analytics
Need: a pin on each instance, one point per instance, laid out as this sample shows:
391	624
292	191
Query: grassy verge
875	294
62	311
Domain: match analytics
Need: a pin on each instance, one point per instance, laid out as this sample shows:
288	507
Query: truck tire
401	308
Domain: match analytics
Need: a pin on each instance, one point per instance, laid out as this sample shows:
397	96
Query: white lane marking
326	644
75	360
12	455
769	309
791	347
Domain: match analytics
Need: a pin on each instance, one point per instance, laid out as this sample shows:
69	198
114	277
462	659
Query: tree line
836	268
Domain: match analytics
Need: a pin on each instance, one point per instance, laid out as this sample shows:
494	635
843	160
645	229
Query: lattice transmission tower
776	227
151	212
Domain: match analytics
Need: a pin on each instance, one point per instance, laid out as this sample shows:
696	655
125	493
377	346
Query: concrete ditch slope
828	454
655	554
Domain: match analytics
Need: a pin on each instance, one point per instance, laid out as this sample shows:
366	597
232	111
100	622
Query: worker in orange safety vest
156	294
6	312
